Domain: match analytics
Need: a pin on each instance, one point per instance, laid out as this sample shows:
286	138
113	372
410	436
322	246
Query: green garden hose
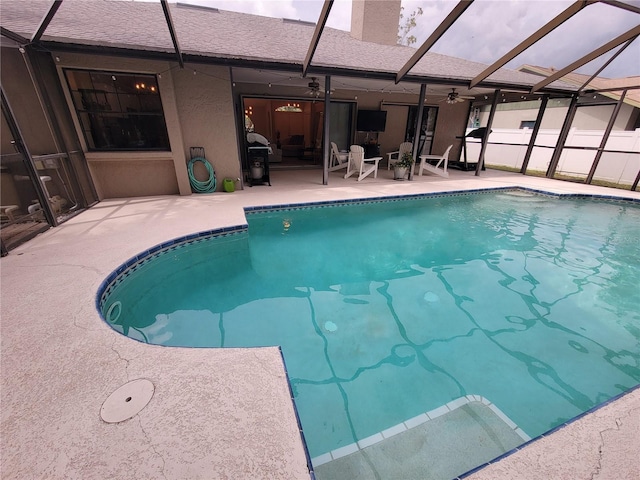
198	186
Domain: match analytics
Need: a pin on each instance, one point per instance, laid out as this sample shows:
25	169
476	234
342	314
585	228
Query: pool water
385	310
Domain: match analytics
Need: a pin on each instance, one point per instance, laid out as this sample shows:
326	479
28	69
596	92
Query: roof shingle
225	34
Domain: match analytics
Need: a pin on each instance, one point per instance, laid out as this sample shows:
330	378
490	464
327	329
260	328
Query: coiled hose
198	186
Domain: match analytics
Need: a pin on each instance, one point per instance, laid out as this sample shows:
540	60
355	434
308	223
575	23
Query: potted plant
401	167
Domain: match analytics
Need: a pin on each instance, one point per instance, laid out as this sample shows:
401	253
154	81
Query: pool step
446	441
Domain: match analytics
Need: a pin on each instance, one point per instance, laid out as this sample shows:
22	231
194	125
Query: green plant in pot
402	166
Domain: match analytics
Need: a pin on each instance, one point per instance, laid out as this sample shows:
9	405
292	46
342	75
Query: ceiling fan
455	97
315	89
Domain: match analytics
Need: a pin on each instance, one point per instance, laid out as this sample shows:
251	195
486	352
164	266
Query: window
118	111
530	124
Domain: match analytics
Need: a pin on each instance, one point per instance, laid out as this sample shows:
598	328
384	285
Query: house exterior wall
450	123
206	118
198	112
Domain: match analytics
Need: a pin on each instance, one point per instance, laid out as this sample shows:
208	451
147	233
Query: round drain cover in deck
127	401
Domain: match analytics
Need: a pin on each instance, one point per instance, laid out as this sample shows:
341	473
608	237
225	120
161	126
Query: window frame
134	107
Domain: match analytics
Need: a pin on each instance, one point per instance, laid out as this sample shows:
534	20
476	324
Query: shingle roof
225	34
579	79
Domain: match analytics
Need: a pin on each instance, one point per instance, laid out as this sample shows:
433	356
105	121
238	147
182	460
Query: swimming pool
385	310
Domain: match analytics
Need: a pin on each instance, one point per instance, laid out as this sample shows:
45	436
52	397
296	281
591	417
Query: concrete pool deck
215	413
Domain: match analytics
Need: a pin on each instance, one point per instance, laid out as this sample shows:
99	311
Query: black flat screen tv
371	121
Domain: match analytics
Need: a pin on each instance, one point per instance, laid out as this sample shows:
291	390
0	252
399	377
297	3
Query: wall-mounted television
371	120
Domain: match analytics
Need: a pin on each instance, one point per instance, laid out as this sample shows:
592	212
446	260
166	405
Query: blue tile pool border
120	273
449	193
548	432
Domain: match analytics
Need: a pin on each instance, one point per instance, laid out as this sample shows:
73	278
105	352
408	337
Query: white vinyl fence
620	168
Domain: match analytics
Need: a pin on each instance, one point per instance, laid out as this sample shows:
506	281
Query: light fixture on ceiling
143	87
295	108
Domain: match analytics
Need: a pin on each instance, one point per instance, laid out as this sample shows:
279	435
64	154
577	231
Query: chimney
375	21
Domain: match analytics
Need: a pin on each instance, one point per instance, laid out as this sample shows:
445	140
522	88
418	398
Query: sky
488	29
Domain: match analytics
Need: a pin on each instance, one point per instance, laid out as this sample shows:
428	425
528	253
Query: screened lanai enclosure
93	109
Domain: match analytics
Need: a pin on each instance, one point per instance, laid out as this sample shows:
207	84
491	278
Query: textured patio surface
215	413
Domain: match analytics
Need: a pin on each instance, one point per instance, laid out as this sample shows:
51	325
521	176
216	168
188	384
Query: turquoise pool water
386	310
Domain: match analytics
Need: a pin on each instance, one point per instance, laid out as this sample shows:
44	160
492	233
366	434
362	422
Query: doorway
294	128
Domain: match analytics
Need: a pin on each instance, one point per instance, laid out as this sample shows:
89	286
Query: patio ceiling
355	84
405	79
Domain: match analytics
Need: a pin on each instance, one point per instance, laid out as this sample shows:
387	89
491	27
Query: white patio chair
360	165
405	147
439	159
339	160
